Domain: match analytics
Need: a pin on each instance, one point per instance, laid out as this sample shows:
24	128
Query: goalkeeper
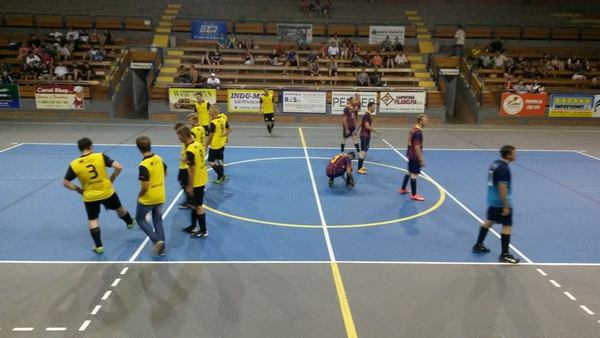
340	165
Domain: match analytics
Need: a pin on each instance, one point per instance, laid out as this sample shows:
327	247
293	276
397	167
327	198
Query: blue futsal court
268	211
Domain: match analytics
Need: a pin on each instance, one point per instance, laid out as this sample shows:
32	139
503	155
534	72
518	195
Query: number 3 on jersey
92	171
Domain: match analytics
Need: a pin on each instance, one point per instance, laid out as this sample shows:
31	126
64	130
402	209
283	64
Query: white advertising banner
402	102
340	99
377	34
304	102
243	100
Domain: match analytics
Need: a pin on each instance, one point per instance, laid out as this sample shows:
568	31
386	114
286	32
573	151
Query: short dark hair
143	143
184	131
178	125
370	104
506	150
352	154
84	144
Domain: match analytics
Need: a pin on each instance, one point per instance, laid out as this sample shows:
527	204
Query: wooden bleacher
446	31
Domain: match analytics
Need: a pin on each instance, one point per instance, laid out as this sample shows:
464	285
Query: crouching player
340	165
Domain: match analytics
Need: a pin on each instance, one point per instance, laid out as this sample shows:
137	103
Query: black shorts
197	198
351	131
269	117
494	214
93	208
183	177
365	141
414	166
216	154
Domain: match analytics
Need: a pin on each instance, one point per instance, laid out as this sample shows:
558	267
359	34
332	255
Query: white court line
587	155
106	295
56	329
555	283
542	272
96	309
141	247
459	203
11	147
84	325
296	147
116	282
22	329
124	271
588	311
568	294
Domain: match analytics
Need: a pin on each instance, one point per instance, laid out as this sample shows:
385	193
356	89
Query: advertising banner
573	105
377	34
182	99
9	96
304	102
59	97
402	102
243	100
339	100
209	30
530	104
295	32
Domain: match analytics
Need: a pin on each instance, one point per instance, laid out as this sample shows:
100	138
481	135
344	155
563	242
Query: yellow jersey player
96	187
201	107
152	196
182	175
218	134
198	132
198	177
267	108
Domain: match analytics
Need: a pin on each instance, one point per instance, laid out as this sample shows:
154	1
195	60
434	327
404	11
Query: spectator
63	51
87	72
55	36
72	35
333	51
377	60
386	45
75	72
579	76
398	47
292	59
400	61
32	60
94	38
362	78
537	87
213	81
375	78
333	69
303	43
334	40
459	42
183	75
6	78
496	46
499	60
356	60
94	54
313	65
344	50
195	74
214	56
355	49
61	72
324	49
33	40
280	49
273	58
23	52
248	58
106	38
231	41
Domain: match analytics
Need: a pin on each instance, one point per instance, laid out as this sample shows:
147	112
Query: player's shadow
216	194
407	208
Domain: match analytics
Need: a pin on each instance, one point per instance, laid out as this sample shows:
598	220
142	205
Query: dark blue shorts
365	141
414	166
494	214
351	130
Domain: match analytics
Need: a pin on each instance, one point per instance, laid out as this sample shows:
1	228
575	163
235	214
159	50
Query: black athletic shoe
331	183
200	234
189	229
162	251
480	248
508	258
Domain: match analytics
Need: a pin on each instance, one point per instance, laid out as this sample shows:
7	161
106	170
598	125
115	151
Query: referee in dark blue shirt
499	204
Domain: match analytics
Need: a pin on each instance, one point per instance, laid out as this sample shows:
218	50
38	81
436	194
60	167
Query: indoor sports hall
490	109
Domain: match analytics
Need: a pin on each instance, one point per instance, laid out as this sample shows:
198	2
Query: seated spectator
63	52
355	49
399	61
106	38
311	57
537	87
397	45
55	36
377	60
375	78
499	60
61	72
579	76
344	51
292	59
356	60
87	72
33	40
520	87
214	56
324	49
248	58
362	78
231	41
554	64
72	35
32	60
313	67
94	54
333	41
183	75
213	81
5	78
75	72
94	38
23	52
273	58
37	50
333	51
386	45
195	74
